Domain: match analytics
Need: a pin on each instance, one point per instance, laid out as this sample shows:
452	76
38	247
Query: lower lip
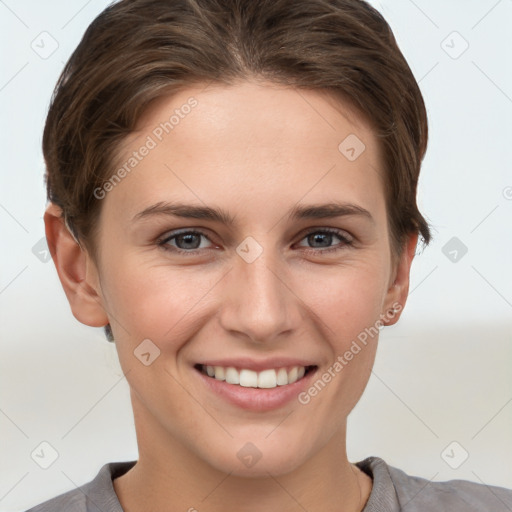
257	399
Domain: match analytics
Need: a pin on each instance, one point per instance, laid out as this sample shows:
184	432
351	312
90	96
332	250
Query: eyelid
346	238
169	235
335	231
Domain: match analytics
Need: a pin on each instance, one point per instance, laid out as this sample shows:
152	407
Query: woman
197	151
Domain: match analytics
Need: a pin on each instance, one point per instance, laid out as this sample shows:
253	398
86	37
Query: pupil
187	240
318	236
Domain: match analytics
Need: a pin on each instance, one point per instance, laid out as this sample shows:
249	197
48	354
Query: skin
256	150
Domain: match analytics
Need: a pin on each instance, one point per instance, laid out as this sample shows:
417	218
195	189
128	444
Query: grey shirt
392	491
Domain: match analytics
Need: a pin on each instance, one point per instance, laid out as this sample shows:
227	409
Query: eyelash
347	242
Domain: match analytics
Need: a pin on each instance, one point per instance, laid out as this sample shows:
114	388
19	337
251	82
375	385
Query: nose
259	304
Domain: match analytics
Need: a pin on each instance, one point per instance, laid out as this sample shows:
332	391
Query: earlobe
74	267
398	291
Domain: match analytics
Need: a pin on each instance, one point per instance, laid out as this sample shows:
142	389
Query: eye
186	242
324	237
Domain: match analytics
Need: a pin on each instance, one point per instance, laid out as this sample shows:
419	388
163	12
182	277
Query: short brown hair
138	50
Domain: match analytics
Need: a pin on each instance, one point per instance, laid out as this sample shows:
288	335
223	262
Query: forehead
257	102
211	140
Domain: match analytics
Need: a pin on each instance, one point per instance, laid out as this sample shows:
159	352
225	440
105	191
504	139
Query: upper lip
255	365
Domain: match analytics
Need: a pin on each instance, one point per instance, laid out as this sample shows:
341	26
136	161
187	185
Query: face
246	237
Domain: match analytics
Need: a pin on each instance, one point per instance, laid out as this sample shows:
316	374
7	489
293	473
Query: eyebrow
299	212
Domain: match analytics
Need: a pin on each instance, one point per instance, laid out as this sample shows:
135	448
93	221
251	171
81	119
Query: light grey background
442	374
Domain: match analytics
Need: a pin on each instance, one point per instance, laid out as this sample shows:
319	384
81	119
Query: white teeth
292	375
219	373
266	379
248	379
232	376
282	377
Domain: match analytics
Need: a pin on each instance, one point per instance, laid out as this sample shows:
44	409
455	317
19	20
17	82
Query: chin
258	459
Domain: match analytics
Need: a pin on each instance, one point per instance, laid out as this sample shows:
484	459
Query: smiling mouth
265	379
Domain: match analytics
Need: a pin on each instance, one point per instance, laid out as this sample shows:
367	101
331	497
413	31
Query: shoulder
72	501
98	495
415	494
452	495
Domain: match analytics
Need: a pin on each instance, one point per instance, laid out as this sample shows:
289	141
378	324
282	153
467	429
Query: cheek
348	310
346	300
348	307
157	302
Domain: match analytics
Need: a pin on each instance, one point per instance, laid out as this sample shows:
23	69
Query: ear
77	272
398	290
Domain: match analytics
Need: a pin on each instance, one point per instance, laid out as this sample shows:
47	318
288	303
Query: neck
169	477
